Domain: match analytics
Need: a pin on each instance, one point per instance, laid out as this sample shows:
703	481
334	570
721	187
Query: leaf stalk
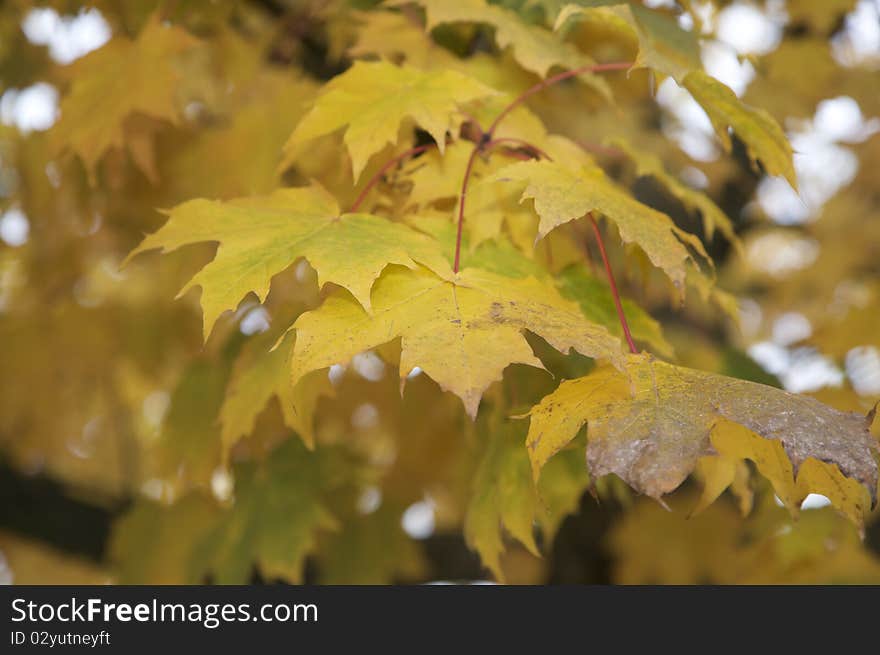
614	293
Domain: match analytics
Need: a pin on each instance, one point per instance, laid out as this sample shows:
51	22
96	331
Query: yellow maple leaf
263	235
372	99
394	36
115	86
462	332
574	282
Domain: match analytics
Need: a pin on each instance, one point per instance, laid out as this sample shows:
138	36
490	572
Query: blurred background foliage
111	464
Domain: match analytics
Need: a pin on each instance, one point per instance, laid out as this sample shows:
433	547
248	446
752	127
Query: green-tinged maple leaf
372	99
281	507
261	236
560	490
490	208
648	164
153	543
651	545
597	304
188	442
371	549
652	424
535	48
763	137
562	194
663	45
574	282
502	496
241	153
114	86
462	332
261	374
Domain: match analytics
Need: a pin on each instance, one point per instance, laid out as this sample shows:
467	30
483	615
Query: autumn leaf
536	49
188	445
650	545
560	490
31	562
371	549
261	236
597	304
503	495
504	499
652	424
491	209
497	255
461	332
663	45
97	113
340	378
394	36
261	374
764	139
562	194
372	99
717	474
648	164
280	510
574	282
268	112
154	543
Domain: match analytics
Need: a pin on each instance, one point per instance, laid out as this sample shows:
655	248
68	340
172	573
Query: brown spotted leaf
652	426
758	130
